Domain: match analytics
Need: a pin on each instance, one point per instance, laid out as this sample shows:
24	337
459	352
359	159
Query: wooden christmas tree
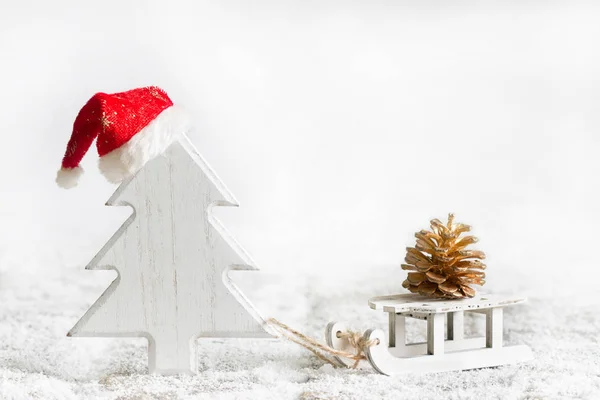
172	257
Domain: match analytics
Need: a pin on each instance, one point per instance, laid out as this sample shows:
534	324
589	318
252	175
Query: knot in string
358	342
355	339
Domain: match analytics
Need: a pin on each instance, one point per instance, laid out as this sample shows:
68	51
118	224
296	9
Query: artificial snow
42	296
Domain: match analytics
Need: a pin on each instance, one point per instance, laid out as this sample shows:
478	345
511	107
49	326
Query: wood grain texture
172	258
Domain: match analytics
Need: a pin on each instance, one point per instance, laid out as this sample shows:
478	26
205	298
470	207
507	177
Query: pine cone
443	267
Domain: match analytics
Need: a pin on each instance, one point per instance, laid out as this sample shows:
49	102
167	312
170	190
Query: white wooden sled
438	354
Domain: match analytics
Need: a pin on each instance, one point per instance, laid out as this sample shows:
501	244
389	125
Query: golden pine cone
443	268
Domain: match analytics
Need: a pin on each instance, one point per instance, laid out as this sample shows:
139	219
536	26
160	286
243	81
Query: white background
341	127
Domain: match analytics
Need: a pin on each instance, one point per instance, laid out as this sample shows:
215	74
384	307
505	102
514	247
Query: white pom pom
67	178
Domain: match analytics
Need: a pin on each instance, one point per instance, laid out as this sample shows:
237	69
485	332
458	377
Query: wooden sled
438	354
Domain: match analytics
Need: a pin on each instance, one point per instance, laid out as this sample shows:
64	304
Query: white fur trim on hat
148	143
67	178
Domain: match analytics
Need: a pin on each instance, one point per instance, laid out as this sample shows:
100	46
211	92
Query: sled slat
406	303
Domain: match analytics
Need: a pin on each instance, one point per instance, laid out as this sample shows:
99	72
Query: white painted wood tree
172	257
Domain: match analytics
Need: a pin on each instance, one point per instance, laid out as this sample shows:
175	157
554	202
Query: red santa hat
131	128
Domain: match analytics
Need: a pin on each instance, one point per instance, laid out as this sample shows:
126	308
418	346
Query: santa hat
131	128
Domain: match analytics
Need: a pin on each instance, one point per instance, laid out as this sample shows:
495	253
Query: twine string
357	341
